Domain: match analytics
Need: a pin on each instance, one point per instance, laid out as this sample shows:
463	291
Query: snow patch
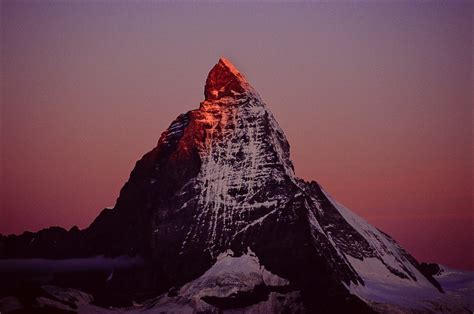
231	274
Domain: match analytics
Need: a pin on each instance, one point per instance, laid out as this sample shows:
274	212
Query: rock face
221	179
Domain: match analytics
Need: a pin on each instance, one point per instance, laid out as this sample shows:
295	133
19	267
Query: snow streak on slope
390	277
243	150
386	250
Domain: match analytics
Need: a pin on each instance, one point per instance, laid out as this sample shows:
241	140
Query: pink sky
375	100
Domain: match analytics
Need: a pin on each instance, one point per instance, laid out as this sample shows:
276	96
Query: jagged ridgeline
220	222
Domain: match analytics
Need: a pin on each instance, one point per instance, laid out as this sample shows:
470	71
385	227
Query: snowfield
231	275
227	278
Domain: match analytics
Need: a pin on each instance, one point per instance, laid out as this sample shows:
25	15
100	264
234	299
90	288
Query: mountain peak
228	65
225	80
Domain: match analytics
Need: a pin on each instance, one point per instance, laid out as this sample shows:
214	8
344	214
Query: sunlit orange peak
225	80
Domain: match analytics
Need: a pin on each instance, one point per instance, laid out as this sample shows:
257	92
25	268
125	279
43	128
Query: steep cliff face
221	179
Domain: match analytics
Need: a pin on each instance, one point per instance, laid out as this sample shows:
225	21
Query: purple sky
375	100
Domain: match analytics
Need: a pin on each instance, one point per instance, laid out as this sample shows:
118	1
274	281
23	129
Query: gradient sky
375	100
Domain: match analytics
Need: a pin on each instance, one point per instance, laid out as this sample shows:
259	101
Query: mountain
220	221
